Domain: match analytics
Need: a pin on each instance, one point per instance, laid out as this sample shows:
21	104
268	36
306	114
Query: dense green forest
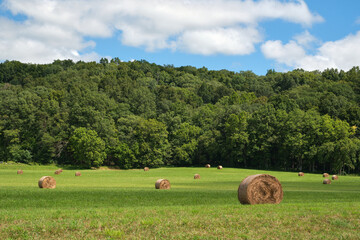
136	114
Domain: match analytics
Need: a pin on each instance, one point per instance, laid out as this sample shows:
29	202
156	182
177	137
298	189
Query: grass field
124	204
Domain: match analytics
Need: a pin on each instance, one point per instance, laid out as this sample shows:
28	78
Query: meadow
124	204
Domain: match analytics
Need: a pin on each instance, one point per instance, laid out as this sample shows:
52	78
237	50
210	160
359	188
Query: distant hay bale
196	176
327	181
260	189
47	182
57	172
219	167
325	175
146	169
335	177
60	170
20	172
300	174
162	184
207	166
77	174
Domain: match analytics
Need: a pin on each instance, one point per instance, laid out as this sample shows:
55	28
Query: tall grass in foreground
124	204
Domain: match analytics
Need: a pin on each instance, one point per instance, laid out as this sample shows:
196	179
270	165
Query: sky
237	35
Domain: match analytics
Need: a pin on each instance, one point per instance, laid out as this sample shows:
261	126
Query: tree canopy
136	114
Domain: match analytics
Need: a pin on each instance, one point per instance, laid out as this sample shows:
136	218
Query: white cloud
194	26
40	43
288	53
233	41
305	39
341	54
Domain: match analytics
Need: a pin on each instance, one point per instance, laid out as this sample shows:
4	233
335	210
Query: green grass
124	204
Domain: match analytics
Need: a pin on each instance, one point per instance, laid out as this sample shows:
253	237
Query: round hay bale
219	167
77	174
300	174
207	166
325	175
20	172
327	181
57	172
146	169
47	182
162	184
334	177
260	189
196	176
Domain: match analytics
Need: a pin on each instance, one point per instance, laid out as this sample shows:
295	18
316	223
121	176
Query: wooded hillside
136	114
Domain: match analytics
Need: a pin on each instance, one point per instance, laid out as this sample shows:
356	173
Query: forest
137	114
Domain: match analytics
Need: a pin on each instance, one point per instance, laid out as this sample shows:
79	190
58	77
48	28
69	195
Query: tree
87	148
184	143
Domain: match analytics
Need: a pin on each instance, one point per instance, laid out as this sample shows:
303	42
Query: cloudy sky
219	34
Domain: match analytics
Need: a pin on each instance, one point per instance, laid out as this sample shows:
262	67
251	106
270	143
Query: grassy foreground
124	204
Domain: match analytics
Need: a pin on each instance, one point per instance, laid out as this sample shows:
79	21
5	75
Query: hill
136	114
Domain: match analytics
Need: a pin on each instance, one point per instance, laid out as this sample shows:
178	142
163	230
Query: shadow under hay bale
325	175
207	166
162	184
77	174
196	176
300	174
20	172
260	189
334	177
219	167
47	182
327	181
146	169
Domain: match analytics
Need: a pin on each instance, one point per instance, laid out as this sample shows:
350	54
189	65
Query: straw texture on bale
327	181
300	174
78	174
325	175
162	184
47	182
20	172
146	169
260	189
196	176
207	165
335	177
219	167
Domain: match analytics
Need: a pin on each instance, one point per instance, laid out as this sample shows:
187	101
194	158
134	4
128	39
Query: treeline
136	114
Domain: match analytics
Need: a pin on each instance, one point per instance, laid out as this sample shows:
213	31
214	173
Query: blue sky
237	35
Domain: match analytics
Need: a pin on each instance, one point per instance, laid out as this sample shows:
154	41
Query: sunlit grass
124	204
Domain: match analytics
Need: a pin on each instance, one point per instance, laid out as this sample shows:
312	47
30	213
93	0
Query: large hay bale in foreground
334	177
77	174
325	175
162	184
260	189
146	169
327	181
20	172
219	167
300	174
197	176
207	166
47	182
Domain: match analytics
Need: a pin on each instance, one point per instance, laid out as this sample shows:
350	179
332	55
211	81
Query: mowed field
124	204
